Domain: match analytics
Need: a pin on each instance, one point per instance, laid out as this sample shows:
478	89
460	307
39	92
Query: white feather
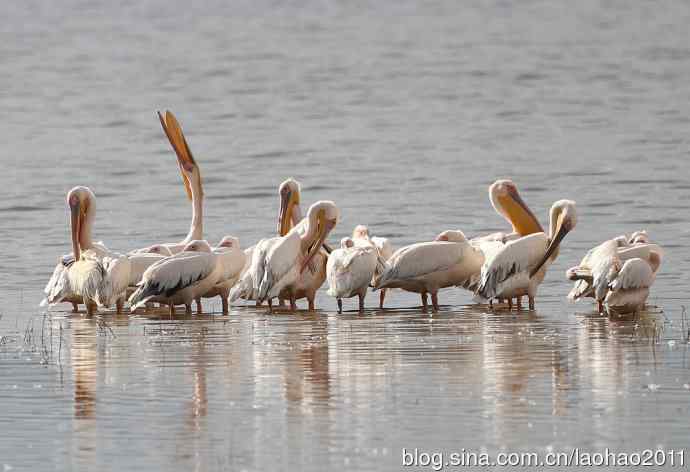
350	270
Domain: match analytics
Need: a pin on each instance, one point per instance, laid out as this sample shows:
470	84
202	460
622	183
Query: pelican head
198	245
229	242
158	249
322	218
639	237
506	200
453	236
621	241
563	219
289	192
360	232
191	176
346	243
82	202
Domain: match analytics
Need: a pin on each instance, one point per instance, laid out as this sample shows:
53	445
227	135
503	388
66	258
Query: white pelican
125	271
77	277
233	260
520	266
282	268
628	292
289	216
427	267
179	279
350	270
360	236
602	265
452	259
191	178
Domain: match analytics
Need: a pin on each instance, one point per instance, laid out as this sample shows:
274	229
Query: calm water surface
401	112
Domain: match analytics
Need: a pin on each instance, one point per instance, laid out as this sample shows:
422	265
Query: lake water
401	112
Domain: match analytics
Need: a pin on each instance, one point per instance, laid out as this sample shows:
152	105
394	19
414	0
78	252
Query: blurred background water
401	112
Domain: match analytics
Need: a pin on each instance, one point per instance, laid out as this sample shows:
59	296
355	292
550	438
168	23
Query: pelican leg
510	303
270	305
519	303
281	302
198	306
361	302
434	300
601	307
531	302
118	306
491	302
425	302
90	308
187	308
312	307
340	305
172	310
382	297
293	302
75	307
224	301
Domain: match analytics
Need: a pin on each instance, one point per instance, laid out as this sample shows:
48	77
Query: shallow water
401	113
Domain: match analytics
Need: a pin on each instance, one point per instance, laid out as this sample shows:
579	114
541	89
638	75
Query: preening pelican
284	265
191	178
350	270
520	266
454	260
628	292
360	237
78	276
600	274
427	267
179	279
289	217
233	259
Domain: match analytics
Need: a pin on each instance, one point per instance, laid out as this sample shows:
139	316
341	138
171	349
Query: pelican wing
138	265
636	273
420	259
166	277
58	287
115	280
641	251
511	264
245	285
233	261
350	270
281	266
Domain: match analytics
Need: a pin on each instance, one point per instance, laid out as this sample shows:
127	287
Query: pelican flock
500	267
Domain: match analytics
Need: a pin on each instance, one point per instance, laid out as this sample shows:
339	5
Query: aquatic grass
684	326
39	340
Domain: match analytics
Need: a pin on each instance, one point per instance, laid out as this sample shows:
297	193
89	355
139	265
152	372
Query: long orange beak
185	159
561	231
523	220
324	228
285	213
75	221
